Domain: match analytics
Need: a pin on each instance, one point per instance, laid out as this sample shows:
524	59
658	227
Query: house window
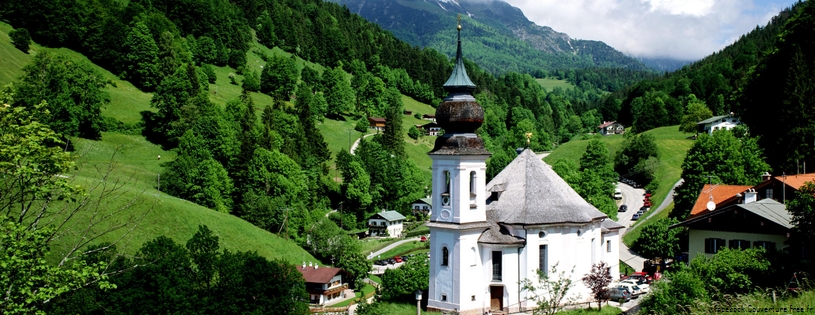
713	245
769	193
444	297
768	246
475	256
608	246
496	265
739	244
542	259
445	256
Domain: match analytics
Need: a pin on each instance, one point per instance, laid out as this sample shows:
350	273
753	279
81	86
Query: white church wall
459	209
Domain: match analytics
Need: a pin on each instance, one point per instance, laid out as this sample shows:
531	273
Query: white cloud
682	29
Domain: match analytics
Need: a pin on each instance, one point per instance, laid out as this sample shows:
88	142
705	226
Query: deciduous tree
597	281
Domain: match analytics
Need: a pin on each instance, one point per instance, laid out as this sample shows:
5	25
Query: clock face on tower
445	200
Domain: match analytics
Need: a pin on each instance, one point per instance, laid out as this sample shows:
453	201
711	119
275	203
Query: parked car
381	263
635	217
423	239
635	290
641	277
391	261
647	203
618	293
623	208
618	194
397	259
643	286
644	209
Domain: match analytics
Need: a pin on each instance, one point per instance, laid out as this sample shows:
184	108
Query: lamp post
418	302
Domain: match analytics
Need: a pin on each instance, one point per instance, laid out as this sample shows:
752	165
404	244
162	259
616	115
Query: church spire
459	81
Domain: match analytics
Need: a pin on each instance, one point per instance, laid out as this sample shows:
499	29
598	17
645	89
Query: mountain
665	64
498	36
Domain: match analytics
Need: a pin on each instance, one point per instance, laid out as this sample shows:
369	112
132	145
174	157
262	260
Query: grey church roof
608	225
498	234
534	194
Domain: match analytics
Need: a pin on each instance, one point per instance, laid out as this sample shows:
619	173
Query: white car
618	194
635	290
643	286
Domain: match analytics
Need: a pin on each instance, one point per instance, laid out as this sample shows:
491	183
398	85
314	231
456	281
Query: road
392	246
356	143
633	197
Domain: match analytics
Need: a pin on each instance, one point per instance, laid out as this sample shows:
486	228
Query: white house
386	223
423	206
611	128
725	122
486	237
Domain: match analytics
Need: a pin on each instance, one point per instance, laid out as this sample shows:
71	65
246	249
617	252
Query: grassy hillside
673	146
550	83
133	164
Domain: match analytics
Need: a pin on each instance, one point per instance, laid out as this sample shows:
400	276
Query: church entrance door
496	298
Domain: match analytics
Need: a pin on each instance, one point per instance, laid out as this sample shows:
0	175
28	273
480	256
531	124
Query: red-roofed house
323	284
742	216
611	128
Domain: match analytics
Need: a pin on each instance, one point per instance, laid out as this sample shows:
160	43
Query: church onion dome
459	115
532	193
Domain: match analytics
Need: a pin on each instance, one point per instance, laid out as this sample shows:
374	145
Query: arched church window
445	195
473	185
445	256
475	256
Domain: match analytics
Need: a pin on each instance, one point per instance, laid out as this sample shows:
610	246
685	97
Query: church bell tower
459	197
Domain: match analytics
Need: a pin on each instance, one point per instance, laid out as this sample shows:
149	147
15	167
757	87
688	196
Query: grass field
549	84
132	163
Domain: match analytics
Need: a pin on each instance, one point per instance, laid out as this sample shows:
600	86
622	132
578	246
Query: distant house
323	284
725	122
386	223
407	112
431	129
423	206
377	123
430	117
611	128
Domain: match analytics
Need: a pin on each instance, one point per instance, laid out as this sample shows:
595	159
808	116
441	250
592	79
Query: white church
487	237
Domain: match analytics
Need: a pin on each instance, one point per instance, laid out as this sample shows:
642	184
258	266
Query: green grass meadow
550	83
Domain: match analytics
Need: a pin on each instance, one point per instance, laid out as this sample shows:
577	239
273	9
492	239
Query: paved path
392	246
356	143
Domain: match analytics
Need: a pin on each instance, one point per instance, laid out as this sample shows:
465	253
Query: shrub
20	39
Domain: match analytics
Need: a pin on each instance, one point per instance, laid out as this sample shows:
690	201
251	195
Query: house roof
428	201
428	116
796	181
430	125
534	194
318	274
376	119
720	193
388	215
766	208
712	119
606	124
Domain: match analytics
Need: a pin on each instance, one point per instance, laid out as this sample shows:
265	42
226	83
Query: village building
739	216
324	284
431	129
725	122
376	123
386	223
430	117
610	128
487	237
423	206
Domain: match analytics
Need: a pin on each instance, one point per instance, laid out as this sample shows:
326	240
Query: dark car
381	263
635	217
391	261
623	208
644	209
617	293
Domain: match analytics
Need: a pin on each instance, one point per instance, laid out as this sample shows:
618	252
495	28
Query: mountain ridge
504	39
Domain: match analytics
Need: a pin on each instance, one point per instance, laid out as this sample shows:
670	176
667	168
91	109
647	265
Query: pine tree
392	138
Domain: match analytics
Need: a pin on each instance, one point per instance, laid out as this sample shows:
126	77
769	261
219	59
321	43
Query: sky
677	29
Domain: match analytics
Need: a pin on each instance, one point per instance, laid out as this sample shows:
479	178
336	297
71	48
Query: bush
362	126
414	133
20	39
209	70
251	81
